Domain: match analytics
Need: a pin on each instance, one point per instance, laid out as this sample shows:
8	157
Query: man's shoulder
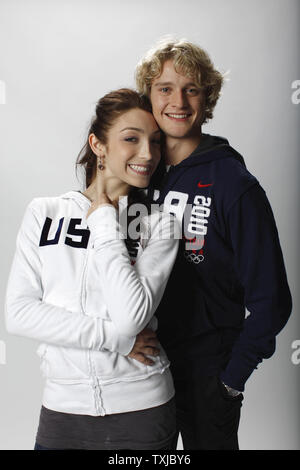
232	178
232	165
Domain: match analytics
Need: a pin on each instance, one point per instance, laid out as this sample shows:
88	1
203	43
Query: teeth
178	116
141	169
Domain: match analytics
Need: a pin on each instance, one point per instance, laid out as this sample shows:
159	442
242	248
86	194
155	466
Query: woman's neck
112	187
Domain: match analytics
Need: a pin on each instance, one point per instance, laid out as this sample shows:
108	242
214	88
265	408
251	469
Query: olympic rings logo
193	258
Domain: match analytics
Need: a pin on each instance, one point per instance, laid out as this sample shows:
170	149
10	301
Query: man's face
177	103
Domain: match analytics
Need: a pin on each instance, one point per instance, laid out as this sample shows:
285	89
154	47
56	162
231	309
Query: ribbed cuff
236	374
104	226
113	341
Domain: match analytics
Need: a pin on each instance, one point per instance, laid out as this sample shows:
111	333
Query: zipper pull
166	175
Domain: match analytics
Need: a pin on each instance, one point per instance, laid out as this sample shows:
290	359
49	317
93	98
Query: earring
100	166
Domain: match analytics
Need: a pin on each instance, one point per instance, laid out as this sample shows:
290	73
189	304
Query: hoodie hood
77	196
211	148
84	203
208	157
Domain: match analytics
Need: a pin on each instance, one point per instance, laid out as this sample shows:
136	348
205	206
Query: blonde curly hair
189	60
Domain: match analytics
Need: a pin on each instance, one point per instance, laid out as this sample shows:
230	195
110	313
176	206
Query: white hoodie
74	287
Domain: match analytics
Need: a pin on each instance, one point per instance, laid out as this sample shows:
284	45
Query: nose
145	151
178	99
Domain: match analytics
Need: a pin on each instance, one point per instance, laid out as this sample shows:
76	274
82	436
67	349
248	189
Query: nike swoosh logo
200	185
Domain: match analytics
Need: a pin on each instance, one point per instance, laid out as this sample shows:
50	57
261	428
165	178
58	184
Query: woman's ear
96	145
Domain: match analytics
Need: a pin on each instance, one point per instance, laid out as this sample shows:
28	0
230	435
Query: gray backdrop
56	59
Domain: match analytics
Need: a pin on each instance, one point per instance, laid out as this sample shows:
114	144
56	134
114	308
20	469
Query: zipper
83	297
83	282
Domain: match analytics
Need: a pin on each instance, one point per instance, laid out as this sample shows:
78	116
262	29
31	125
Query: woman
88	292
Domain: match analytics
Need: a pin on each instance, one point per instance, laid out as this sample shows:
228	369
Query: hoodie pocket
113	367
42	352
59	363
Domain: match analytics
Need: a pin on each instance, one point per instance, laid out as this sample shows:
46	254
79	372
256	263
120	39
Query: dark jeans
207	416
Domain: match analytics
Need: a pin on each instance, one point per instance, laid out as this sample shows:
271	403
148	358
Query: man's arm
260	267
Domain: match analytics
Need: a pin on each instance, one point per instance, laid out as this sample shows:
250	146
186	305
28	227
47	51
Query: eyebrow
137	129
170	83
132	129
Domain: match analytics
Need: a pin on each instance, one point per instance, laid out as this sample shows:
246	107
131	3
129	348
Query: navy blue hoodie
234	264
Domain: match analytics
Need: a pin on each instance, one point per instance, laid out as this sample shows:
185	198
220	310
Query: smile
140	169
178	117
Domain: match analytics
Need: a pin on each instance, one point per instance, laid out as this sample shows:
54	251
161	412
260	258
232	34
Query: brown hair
108	109
189	59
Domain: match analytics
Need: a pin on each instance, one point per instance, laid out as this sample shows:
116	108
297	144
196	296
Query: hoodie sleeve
132	293
260	268
27	315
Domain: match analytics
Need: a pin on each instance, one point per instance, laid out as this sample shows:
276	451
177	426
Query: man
229	258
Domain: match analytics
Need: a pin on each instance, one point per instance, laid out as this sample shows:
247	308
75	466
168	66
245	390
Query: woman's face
132	152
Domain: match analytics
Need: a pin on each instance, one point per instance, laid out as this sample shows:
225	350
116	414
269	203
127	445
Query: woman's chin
141	186
140	182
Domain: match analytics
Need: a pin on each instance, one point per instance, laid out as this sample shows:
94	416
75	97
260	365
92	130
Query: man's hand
146	343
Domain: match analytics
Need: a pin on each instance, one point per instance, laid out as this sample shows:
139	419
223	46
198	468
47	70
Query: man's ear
96	145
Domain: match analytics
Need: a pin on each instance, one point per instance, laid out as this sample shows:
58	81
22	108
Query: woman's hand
100	200
97	192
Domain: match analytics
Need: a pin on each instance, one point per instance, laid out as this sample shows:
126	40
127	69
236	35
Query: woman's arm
27	315
132	293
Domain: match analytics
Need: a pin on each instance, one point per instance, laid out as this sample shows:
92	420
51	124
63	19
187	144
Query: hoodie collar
85	203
